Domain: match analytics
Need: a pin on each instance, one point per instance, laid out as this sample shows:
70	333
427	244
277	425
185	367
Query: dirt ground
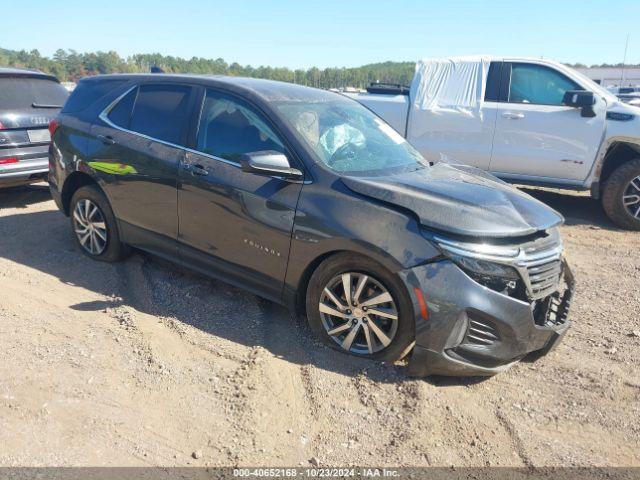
142	363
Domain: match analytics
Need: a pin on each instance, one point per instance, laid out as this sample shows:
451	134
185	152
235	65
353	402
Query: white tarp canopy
447	93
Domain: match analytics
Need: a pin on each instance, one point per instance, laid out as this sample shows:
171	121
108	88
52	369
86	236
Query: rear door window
537	84
492	92
161	112
22	93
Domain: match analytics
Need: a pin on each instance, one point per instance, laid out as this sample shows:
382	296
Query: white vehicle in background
630	99
527	121
624	90
630	95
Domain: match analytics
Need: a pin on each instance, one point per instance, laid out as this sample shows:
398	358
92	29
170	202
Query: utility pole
624	61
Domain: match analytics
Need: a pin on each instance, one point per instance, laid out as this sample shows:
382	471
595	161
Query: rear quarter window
120	114
21	93
88	92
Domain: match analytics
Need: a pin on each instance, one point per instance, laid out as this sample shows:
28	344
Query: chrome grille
541	269
538	262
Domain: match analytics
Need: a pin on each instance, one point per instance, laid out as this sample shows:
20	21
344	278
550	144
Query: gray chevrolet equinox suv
308	199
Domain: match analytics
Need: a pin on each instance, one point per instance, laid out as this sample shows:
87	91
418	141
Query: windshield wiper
44	105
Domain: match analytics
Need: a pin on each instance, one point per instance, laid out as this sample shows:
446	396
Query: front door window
537	84
229	129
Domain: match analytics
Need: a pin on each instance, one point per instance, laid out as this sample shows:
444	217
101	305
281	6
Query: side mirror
582	99
269	163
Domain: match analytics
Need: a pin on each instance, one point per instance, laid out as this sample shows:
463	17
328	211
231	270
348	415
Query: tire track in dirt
280	400
244	391
517	442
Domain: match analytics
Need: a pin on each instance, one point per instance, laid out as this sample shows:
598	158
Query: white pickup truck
527	121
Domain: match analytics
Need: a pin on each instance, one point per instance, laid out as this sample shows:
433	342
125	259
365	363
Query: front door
135	148
537	137
233	223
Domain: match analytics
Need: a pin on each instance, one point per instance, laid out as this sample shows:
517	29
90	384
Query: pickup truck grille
541	269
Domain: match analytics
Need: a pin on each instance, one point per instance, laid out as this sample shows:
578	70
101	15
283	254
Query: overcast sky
326	33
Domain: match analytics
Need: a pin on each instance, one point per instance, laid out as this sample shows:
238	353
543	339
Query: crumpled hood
460	200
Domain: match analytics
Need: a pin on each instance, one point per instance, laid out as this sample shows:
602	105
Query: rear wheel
358	307
94	225
621	195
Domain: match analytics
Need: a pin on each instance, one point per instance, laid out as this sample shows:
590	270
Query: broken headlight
487	264
501	278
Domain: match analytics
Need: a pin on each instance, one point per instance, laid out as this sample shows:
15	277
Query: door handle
106	139
513	115
195	169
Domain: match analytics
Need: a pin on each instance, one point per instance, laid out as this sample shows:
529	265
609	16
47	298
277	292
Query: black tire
342	263
614	190
113	250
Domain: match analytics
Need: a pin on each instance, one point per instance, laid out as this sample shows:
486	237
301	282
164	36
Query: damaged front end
490	303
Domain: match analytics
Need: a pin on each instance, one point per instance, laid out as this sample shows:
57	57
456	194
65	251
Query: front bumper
473	330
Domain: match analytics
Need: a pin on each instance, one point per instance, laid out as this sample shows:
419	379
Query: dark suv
28	102
307	198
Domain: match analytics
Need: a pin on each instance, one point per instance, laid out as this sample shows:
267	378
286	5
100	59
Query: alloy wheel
90	227
631	198
358	313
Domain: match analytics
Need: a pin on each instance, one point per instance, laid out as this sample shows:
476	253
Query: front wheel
94	225
356	306
621	196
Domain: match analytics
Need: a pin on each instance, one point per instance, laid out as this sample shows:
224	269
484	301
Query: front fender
335	221
593	179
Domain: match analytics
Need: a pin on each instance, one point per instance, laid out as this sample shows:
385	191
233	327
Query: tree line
70	65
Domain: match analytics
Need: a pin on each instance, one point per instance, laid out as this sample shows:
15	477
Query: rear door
136	147
537	137
27	104
456	136
234	223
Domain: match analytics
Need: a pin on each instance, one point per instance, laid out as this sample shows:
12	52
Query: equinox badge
262	248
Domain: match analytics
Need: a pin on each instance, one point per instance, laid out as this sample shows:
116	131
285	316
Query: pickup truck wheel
357	307
621	196
94	225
